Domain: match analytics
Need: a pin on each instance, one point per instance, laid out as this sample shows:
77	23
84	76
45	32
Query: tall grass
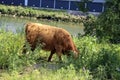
97	61
11	57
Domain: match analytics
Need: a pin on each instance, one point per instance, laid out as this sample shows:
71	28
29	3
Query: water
16	24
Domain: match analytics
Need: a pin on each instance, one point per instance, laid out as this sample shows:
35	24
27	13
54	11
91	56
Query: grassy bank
97	61
39	13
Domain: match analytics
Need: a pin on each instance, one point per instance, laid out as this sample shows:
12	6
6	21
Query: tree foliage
107	24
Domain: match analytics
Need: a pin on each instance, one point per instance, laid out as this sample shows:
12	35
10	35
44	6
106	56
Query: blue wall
18	2
8	2
34	3
74	5
62	4
95	7
47	3
12	2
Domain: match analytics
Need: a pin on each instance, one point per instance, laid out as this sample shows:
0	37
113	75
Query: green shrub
106	26
102	59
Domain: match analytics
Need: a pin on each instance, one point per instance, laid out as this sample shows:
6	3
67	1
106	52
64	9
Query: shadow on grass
43	63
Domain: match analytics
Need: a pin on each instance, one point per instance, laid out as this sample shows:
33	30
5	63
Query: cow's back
39	33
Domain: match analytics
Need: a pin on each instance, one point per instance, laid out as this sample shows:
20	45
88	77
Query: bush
89	24
106	26
101	59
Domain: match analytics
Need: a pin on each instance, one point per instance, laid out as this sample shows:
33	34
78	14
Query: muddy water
16	24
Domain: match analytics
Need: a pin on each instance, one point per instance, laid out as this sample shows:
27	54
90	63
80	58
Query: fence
56	4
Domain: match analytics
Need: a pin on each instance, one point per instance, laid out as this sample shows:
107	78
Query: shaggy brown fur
56	40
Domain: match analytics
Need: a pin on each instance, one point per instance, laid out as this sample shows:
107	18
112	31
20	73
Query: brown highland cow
56	40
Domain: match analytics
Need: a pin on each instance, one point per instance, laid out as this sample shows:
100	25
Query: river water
16	24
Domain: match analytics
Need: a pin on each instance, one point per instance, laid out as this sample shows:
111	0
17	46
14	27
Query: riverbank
55	15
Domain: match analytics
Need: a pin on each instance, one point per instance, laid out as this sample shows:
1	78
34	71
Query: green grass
40	13
96	61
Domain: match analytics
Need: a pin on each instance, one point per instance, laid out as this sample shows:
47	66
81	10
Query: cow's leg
33	46
59	56
24	49
51	54
59	53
